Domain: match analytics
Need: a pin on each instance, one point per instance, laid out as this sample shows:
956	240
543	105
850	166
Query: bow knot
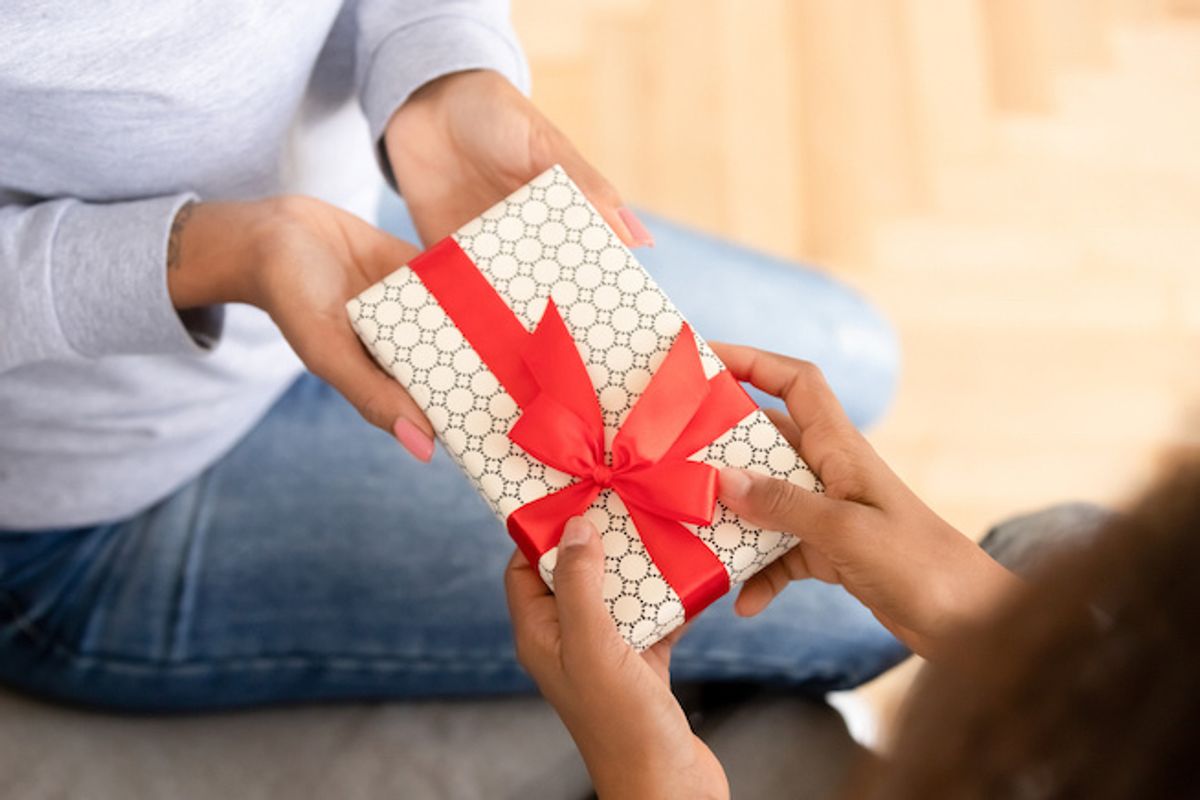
602	475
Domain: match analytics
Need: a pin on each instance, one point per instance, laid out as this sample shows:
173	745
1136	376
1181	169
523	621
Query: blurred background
1016	183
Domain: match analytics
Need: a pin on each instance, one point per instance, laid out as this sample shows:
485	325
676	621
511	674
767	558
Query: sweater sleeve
89	280
403	44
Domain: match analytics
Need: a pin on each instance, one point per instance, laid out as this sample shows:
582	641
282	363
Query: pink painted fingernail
637	230
414	439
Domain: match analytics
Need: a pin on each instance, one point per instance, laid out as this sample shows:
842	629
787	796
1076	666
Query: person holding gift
1081	683
192	515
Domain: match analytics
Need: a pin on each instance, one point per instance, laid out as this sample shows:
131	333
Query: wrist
427	108
433	92
969	597
660	781
215	249
656	763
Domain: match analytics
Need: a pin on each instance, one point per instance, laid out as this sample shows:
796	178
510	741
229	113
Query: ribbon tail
536	527
686	563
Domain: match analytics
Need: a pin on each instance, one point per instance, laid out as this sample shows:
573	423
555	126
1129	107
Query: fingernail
414	439
576	532
637	230
733	483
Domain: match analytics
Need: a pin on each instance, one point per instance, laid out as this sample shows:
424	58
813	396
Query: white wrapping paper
546	240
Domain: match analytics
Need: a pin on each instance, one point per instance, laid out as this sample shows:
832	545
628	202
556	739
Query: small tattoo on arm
175	238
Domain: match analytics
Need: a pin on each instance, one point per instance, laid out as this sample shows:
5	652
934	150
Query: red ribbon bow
561	425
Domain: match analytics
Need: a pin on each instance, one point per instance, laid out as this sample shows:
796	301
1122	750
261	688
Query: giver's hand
469	139
300	260
920	577
617	705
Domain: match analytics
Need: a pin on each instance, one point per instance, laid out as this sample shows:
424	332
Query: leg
1023	543
735	294
315	561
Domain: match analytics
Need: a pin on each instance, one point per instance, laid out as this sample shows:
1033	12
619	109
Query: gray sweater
112	114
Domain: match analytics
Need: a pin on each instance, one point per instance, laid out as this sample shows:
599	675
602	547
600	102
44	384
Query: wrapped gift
563	382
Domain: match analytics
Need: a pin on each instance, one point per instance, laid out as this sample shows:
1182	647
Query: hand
467	140
300	260
617	704
918	575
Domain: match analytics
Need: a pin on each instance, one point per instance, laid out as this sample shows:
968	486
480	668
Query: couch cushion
772	745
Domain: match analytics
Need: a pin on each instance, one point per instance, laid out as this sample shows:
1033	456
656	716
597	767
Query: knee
863	366
849	338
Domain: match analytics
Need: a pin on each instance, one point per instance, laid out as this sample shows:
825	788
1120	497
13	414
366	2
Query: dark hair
1085	686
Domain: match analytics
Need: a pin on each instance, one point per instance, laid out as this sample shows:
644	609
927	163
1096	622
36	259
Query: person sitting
1081	682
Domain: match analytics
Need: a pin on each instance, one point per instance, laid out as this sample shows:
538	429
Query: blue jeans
317	561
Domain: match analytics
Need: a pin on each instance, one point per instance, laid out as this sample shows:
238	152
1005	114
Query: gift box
563	381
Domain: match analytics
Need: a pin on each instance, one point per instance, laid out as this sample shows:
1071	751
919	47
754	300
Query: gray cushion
771	745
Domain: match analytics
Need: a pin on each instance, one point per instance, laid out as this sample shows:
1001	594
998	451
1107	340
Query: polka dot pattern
547	241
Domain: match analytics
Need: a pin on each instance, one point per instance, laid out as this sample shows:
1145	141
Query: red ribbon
561	425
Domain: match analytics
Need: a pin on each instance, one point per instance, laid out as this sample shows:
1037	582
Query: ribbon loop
555	435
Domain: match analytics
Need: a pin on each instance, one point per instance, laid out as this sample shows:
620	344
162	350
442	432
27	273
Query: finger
780	505
531	607
758	592
522	583
785	424
828	441
800	384
604	197
375	251
579	589
346	365
818	564
674	636
800	563
658	658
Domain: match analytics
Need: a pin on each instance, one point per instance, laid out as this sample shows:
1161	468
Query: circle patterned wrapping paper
545	240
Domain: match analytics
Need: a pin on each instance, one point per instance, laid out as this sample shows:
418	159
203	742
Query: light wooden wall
807	120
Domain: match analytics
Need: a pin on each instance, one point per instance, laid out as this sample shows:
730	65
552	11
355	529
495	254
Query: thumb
377	252
779	505
579	587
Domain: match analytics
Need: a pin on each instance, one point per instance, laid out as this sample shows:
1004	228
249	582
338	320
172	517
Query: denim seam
390	663
130	665
183	595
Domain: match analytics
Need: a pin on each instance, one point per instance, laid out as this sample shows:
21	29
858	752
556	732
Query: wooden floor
1046	288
